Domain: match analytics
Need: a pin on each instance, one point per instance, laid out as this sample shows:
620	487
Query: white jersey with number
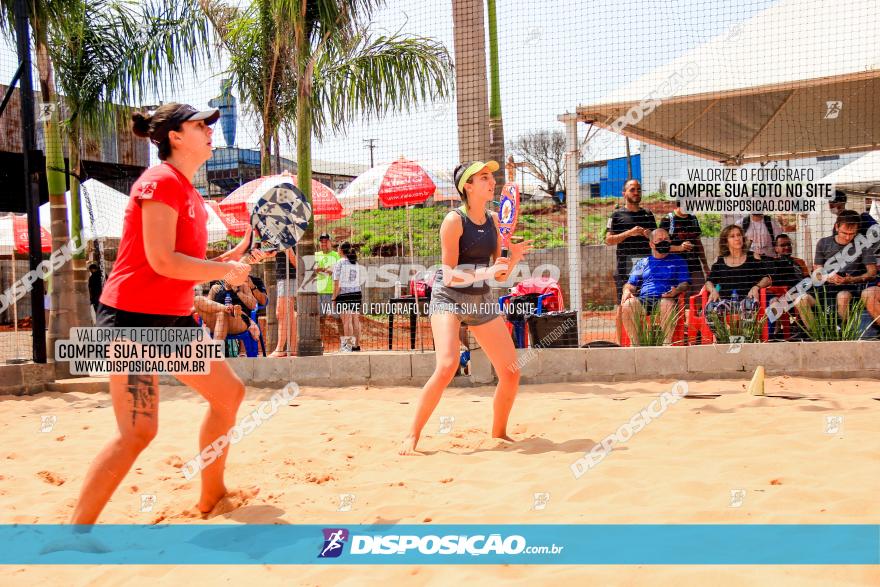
349	275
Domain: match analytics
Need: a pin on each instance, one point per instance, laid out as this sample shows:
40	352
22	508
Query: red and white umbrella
240	202
399	183
221	223
14	235
324	201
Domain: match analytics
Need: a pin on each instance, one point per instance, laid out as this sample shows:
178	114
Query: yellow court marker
756	386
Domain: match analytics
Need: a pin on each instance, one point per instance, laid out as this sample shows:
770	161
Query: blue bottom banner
614	544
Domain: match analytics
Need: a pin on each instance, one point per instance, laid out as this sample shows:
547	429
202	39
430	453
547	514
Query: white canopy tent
862	176
103	210
801	79
103	213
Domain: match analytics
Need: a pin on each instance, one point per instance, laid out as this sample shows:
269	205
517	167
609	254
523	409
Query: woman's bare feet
278	354
230	501
208	500
503	436
408	446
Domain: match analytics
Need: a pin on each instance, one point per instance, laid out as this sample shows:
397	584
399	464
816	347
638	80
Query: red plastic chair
678	334
768	293
696	319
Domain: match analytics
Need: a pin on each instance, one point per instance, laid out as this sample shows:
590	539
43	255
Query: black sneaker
356	348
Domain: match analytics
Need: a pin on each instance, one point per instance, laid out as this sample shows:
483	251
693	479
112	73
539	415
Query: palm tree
320	66
102	51
496	121
42	13
259	49
472	100
106	52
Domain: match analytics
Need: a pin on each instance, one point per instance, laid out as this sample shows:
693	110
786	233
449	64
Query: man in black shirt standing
629	228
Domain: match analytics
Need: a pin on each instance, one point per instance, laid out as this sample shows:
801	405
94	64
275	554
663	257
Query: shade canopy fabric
862	176
102	209
800	79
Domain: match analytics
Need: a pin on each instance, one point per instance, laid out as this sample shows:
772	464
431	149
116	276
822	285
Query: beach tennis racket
280	214
508	213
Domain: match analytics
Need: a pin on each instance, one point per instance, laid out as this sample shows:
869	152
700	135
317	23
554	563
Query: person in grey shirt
853	277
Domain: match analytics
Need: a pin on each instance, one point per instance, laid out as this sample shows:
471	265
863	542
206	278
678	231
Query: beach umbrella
14	235
398	183
221	224
14	238
324	201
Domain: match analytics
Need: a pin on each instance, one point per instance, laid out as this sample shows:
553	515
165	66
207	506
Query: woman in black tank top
471	259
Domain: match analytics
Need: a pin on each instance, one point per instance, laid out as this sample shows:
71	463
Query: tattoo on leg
143	395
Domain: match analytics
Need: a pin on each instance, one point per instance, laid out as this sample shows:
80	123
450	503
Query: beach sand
681	468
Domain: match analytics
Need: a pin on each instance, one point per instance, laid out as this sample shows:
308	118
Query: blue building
605	179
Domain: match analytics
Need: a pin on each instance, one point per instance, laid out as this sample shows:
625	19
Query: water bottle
228	302
734	302
398	289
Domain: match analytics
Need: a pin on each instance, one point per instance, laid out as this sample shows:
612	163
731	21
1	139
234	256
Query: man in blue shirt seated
658	279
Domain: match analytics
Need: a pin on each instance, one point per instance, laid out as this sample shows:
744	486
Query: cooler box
553	330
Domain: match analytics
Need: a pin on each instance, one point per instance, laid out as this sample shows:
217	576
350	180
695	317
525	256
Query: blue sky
554	55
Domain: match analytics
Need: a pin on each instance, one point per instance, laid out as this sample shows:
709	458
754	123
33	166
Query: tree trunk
82	316
472	100
496	120
61	317
308	318
266	151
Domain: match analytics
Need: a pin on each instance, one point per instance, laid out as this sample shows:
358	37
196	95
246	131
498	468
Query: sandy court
681	468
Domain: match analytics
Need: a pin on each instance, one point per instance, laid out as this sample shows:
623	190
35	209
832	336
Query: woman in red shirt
161	257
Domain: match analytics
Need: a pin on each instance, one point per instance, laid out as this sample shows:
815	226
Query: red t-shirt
133	286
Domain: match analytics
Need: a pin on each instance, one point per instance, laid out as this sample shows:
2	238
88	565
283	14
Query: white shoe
344	344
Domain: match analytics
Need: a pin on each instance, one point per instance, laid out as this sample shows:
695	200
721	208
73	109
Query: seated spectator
786	270
222	320
838	205
658	279
851	280
684	233
737	274
760	231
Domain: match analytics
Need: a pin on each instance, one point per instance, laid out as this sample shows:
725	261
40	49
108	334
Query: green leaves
108	52
654	329
823	323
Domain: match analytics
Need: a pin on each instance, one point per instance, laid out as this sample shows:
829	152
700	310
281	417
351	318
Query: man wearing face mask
786	270
658	279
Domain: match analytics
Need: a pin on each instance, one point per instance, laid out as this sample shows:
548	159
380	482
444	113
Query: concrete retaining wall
825	359
374	369
25	379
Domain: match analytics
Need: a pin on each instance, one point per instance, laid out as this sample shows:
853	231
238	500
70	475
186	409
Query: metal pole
629	165
371	145
31	176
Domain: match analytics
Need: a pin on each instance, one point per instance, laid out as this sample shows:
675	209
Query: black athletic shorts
111	317
349	303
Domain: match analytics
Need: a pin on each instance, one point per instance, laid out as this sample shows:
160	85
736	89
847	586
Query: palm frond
369	76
